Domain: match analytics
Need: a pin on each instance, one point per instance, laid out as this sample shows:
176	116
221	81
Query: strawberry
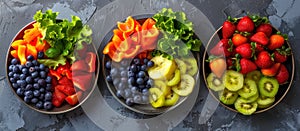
223	48
228	29
266	28
218	66
65	81
260	38
245	24
280	54
239	39
245	50
257	47
66	89
282	75
58	98
264	60
246	66
276	41
229	63
272	71
74	99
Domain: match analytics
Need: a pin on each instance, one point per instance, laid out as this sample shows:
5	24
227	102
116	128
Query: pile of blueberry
31	82
131	80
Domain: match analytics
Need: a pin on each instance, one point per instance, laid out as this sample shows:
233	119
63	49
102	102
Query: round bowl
146	109
283	89
64	107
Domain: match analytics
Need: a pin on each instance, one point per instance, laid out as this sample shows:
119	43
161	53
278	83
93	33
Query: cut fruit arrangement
249	64
149	62
51	63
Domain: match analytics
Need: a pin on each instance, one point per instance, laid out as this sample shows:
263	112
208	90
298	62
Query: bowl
144	108
64	107
283	89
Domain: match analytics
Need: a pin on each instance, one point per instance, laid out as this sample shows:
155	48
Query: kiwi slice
181	65
268	86
249	89
264	102
254	75
186	85
228	97
214	82
156	97
175	79
244	107
162	86
233	80
171	99
192	66
252	98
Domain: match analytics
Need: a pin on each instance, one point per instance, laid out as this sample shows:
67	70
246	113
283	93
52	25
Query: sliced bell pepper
31	34
116	56
22	54
149	37
110	47
31	50
132	52
122	46
16	44
40	44
118	33
127	26
55	74
148	24
14	53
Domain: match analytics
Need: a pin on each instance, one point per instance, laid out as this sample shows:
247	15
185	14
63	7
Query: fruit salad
248	64
150	62
51	63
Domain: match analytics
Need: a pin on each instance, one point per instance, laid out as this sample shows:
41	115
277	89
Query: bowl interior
283	89
65	107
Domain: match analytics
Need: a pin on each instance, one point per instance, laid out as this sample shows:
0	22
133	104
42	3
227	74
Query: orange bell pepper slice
116	56
31	50
109	48
132	52
31	34
149	38
148	24
118	33
122	46
16	44
14	53
40	44
22	54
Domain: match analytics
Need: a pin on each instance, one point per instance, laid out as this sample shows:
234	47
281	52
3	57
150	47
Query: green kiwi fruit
228	97
192	66
214	82
175	79
181	65
252	98
254	75
268	86
244	107
249	89
233	80
264	102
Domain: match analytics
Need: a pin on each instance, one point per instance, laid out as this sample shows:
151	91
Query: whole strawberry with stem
245	50
245	24
245	66
223	48
282	75
239	39
264	60
228	29
257	47
281	54
276	41
266	28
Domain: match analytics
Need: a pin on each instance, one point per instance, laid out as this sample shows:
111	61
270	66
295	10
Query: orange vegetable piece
14	53
128	26
16	44
22	54
110	47
31	34
122	46
31	50
132	52
40	45
148	24
118	33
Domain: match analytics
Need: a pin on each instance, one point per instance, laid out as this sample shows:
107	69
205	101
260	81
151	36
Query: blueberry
120	93
31	69
108	65
48	105
141	74
142	86
10	68
14	61
124	63
47	69
39	105
109	79
129	101
22	77
25	71
34	74
138	68
127	93
34	100
124	80
36	86
37	68
42	90
121	86
12	80
48	87
20	91
136	61
15	85
36	93
27	99
145	91
48	96
16	69
21	67
40	55
16	76
137	99
21	83
48	79
30	58
29	94
28	79
41	82
150	82
130	74
114	72
28	64
140	81
10	74
143	68
133	68
123	73
42	67
34	62
145	60
131	80
145	99
35	80
28	87
116	81
134	90
42	96
150	63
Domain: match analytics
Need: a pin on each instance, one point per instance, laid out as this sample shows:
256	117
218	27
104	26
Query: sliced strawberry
264	60
228	29
218	66
260	38
55	74
266	28
90	59
54	81
58	98
272	71
66	89
83	81
223	48
245	24
239	39
80	65
245	50
282	75
74	99
276	41
65	81
246	66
